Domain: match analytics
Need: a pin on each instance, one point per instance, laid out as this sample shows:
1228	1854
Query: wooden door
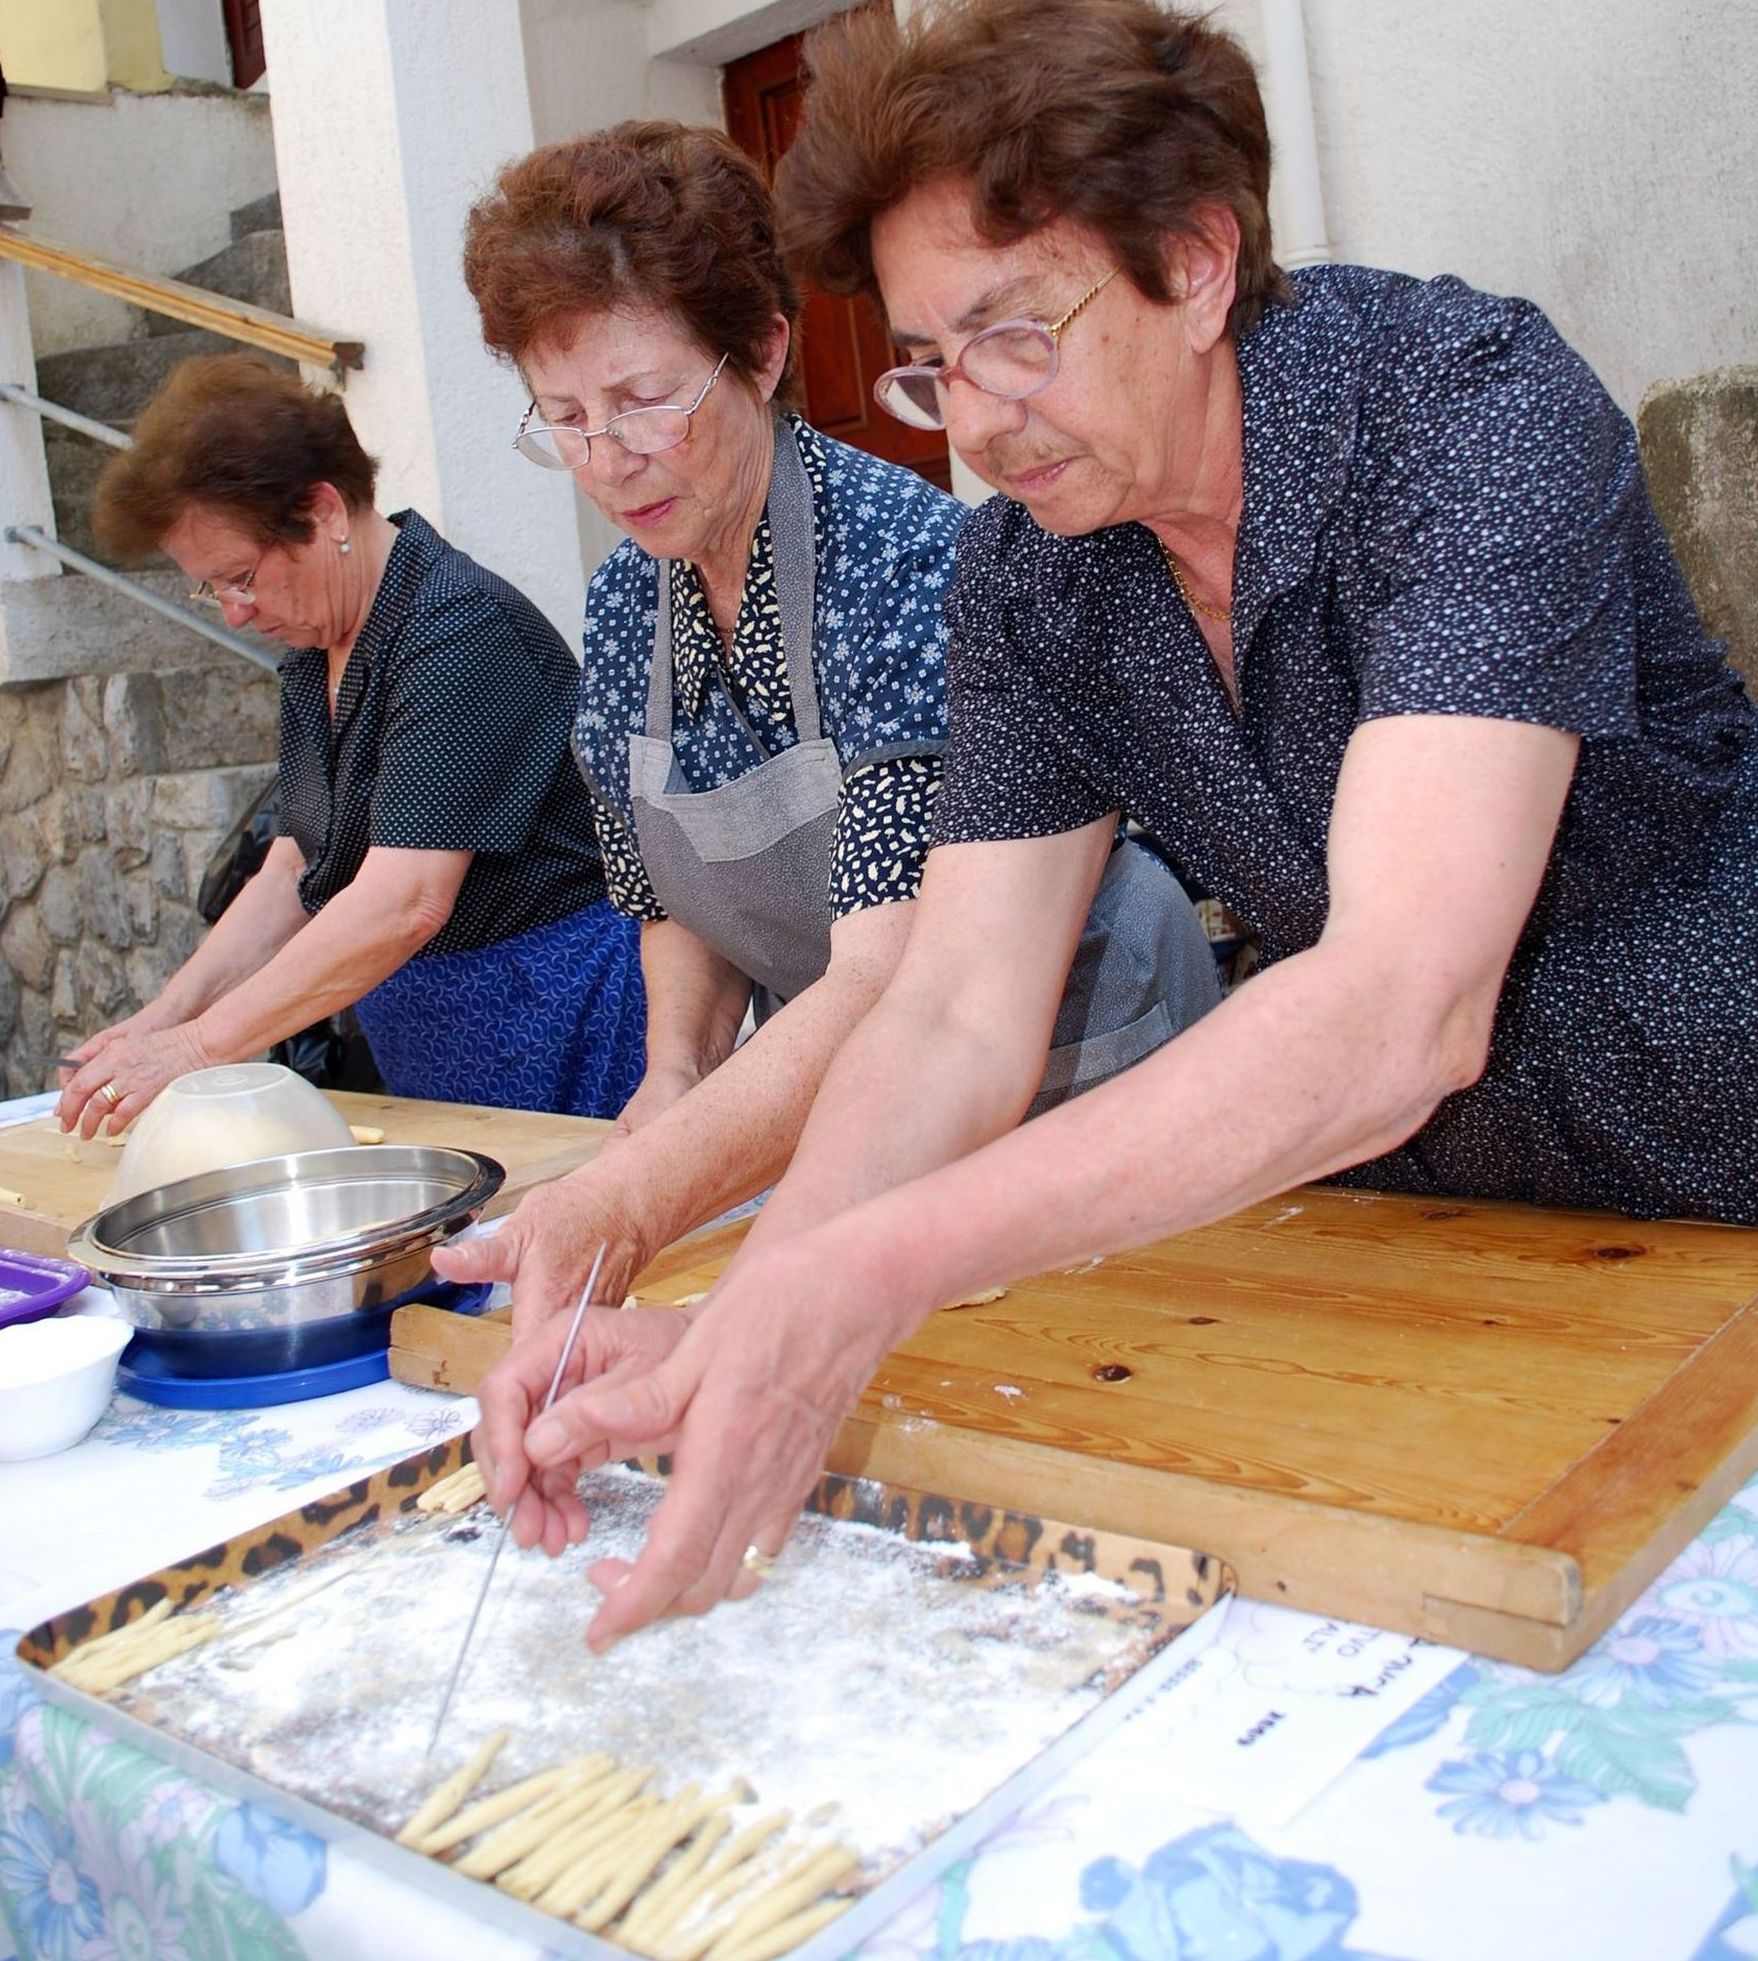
844	347
244	38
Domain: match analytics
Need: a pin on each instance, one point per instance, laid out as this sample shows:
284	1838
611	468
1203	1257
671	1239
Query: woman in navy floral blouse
1347	586
762	706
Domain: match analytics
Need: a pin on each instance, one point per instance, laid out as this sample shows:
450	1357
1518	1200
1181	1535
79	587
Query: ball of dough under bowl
213	1118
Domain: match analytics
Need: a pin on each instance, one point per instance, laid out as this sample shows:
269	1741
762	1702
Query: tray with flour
911	1673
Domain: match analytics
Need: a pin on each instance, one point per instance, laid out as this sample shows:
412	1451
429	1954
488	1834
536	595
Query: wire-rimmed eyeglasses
240	591
1012	359
645	432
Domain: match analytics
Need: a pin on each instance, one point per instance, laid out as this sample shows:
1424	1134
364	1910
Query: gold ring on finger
110	1093
758	1561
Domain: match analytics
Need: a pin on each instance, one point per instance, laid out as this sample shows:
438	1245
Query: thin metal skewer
494	1558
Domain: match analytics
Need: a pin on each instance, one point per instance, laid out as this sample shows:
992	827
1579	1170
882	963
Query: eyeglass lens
644	431
1009	361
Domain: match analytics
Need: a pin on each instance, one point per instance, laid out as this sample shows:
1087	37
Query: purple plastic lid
31	1287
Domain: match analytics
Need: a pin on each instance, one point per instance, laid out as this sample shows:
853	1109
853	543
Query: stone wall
1700	450
114	793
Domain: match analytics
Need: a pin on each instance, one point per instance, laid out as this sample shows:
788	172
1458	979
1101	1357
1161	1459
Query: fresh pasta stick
530	1828
542	1867
797	1888
104	1643
455	1493
598	1864
125	1660
648	1915
786	1936
504	1804
640	1865
446	1798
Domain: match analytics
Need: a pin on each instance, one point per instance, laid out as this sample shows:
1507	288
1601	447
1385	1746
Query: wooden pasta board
62	1191
1488	1424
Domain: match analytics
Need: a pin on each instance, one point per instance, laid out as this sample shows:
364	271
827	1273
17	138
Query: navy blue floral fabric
1444	513
884	542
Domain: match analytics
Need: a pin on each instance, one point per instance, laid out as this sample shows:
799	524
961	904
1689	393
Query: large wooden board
64	1182
1488	1424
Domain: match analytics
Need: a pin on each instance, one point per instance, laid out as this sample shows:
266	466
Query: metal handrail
257	653
100	432
236	319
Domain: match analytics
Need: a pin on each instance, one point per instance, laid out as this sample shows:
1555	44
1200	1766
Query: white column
1297	199
24	478
391	118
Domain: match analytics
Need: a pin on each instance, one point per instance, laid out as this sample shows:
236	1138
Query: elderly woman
1348	588
762	708
438	867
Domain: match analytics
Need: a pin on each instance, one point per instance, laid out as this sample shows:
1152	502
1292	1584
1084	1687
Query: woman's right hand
144	1021
613	1346
546	1249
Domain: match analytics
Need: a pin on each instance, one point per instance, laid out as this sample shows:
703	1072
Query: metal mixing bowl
305	1252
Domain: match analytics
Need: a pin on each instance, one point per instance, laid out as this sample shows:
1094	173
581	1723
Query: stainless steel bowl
285	1242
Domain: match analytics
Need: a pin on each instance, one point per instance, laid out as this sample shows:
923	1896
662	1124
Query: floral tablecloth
1609	1812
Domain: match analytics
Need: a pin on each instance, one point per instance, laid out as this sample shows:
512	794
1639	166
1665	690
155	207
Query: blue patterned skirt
553	1020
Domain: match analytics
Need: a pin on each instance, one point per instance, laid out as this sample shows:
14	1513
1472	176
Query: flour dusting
879	1686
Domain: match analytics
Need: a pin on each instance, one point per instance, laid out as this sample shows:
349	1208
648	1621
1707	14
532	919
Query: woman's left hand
124	1076
749	1403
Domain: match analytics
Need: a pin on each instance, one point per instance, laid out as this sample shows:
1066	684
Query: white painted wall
381	155
192	40
146	179
1597	156
590	66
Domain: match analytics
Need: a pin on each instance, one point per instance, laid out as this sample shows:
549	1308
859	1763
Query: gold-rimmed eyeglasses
240	591
644	432
1012	359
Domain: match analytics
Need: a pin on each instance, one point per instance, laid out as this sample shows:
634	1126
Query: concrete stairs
114	383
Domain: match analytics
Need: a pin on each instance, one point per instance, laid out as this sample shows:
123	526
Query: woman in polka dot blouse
1348	588
762	704
437	866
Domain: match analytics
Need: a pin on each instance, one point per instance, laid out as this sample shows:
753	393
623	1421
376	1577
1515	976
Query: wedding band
759	1561
110	1093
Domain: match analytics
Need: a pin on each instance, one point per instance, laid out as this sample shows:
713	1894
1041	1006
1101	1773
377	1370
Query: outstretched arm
1441	831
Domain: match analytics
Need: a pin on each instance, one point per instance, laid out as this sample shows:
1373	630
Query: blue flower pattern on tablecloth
1497	1797
255	1453
277	1863
1213	1895
54	1906
1734	1937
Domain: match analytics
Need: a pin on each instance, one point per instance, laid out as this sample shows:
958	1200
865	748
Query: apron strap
796	574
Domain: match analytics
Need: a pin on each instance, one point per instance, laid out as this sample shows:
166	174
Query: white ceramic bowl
213	1119
55	1381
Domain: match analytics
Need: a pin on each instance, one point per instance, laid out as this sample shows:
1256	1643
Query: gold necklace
1222	614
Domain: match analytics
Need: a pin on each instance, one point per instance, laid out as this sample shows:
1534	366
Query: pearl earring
345	547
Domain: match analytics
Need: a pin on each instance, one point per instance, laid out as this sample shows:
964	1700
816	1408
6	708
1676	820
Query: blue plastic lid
147	1379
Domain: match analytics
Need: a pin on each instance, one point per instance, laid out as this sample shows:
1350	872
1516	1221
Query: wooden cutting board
63	1182
1486	1424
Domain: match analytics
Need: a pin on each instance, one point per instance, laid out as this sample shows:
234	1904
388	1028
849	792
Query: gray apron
746	867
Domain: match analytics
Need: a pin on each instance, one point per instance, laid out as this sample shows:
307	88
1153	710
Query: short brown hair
1111	113
647	214
237	436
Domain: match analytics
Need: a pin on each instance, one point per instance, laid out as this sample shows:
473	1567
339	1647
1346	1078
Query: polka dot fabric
450	734
1443	514
884	541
